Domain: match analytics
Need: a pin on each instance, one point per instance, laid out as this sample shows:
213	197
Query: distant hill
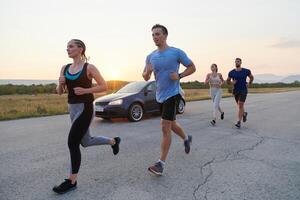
271	78
267	78
291	78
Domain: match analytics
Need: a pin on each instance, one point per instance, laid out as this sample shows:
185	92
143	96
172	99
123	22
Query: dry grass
272	90
201	94
24	106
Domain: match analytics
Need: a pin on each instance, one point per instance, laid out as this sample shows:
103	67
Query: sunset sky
34	35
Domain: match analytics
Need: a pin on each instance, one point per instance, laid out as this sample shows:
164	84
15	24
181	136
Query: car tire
181	106
135	112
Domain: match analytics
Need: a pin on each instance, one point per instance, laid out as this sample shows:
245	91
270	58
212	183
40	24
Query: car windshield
133	87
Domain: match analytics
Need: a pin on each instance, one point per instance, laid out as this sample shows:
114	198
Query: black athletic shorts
240	96
168	108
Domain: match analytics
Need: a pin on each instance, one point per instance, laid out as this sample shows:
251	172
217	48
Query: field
24	106
202	94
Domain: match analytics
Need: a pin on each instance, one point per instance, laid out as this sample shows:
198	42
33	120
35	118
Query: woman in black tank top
77	79
80	79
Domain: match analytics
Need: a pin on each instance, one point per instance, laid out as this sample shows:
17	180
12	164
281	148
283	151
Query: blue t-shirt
164	63
241	80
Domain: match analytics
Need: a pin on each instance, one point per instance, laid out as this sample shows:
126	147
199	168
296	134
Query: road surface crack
252	147
209	164
206	178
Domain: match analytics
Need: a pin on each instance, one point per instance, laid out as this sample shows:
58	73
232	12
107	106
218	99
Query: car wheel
181	106
135	112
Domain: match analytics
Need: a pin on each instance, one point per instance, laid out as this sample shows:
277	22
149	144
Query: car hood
112	97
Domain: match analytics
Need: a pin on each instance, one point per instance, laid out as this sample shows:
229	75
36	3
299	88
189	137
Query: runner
164	62
238	78
77	77
215	80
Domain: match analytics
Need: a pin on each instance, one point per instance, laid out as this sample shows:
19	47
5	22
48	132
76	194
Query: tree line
201	85
116	85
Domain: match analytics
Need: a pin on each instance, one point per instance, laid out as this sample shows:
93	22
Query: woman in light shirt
215	80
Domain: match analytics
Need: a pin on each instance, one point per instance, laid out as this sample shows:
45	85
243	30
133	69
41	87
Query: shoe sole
154	172
237	126
73	188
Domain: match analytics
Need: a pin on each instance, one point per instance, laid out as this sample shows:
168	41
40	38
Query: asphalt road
259	161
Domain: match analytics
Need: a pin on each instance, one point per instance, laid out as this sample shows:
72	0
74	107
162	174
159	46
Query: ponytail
81	44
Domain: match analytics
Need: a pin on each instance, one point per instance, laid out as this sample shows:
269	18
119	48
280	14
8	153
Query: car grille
101	103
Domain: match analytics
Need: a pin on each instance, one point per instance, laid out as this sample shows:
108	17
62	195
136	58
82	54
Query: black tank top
79	79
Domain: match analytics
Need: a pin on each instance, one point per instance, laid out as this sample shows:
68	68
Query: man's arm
147	72
222	80
251	77
228	81
190	69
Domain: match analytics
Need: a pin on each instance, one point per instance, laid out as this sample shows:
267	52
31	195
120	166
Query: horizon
118	36
265	80
263	74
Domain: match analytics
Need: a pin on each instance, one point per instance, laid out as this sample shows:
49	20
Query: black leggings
77	131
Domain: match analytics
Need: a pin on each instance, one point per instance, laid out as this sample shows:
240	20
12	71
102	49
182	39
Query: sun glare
114	75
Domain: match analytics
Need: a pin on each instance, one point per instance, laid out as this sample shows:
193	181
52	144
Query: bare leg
73	178
240	110
176	128
166	139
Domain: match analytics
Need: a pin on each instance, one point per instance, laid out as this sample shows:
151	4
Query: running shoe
238	124
115	147
213	122
156	169
65	186
222	115
187	144
245	116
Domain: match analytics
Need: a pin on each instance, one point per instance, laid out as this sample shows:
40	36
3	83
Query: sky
34	35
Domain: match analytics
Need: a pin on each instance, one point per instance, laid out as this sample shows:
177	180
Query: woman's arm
93	73
207	79
60	89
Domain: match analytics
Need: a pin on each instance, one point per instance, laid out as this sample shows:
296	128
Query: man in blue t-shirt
238	78
164	62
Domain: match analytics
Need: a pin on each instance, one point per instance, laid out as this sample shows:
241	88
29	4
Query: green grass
25	106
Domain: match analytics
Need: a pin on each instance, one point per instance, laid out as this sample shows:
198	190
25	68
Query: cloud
286	43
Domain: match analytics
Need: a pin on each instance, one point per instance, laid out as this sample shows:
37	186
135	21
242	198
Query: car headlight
116	102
